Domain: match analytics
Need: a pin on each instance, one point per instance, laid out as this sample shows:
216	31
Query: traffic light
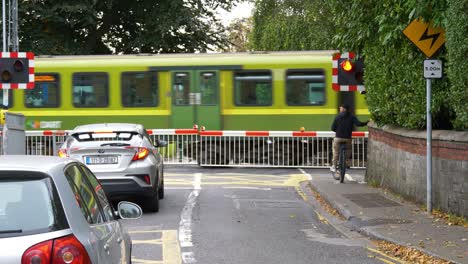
348	72
17	70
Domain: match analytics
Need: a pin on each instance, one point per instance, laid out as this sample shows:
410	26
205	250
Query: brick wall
397	160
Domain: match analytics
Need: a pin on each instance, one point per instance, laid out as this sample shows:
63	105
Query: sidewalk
380	215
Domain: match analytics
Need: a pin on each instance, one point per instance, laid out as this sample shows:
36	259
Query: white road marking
309	177
185	224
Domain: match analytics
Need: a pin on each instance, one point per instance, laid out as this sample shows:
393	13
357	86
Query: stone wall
397	160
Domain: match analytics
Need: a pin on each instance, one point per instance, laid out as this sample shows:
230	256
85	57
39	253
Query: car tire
152	203
161	190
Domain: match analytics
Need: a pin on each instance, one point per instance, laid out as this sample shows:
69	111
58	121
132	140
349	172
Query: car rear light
141	154
68	250
64	250
39	253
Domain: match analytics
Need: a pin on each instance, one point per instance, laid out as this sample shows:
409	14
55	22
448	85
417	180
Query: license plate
102	160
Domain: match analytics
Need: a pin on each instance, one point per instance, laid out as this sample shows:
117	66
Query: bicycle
339	172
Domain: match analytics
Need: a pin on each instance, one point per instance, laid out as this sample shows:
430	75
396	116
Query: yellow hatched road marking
149	241
259	180
170	246
385	255
144	231
145	261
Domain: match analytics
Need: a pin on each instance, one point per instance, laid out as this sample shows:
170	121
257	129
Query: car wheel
161	190
152	204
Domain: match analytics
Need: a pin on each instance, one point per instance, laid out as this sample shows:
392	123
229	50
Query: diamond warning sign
427	38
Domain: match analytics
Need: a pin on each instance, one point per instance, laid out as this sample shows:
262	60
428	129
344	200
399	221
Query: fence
229	148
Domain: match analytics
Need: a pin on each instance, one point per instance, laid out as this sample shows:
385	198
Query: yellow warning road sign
427	38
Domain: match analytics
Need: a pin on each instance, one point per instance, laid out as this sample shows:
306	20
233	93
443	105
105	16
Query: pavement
381	215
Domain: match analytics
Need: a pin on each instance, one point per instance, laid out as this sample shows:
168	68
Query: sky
241	10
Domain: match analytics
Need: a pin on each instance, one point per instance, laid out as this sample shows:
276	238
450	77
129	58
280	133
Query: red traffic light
18	66
347	66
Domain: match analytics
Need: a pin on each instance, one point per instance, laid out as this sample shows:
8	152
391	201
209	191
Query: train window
305	87
45	92
208	88
253	88
90	89
10	99
139	89
181	88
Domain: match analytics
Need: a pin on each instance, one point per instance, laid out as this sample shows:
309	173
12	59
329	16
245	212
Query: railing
229	148
275	149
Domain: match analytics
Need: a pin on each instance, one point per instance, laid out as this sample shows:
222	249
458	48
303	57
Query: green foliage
394	65
291	25
110	26
457	50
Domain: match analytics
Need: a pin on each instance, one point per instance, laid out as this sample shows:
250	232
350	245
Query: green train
239	91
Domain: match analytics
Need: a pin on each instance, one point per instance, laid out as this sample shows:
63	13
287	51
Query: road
244	215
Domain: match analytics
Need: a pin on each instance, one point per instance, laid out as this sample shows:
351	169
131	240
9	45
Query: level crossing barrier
228	148
275	149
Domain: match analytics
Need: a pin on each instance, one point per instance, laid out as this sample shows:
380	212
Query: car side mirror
128	210
160	143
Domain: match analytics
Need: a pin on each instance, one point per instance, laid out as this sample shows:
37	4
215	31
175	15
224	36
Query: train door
195	99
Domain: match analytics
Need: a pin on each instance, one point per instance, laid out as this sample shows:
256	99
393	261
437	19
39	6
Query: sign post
428	39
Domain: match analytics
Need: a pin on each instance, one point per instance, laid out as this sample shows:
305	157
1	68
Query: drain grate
370	200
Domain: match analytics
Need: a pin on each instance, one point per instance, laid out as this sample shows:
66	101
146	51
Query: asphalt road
243	215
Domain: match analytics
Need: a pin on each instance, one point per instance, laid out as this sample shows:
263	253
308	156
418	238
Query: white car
123	158
53	210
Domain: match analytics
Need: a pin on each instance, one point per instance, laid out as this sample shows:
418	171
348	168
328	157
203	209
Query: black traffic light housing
350	71
14	70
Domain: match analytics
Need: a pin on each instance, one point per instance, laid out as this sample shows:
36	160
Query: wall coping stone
443	135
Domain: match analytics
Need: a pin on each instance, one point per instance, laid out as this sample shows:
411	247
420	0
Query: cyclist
343	128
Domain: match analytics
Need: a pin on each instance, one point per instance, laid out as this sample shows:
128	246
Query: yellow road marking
144	261
301	193
384	260
171	248
169	243
321	218
385	255
258	180
149	241
144	231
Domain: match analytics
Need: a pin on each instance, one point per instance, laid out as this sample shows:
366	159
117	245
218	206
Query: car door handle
119	240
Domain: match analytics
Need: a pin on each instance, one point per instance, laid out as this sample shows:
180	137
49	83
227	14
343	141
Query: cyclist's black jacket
343	125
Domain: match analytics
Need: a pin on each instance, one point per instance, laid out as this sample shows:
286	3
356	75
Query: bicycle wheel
342	163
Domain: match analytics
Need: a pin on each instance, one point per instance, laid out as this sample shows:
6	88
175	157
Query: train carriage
243	91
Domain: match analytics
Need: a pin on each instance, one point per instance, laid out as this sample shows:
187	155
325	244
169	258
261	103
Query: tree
291	25
238	35
112	26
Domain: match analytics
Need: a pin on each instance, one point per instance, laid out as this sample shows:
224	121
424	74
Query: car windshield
28	204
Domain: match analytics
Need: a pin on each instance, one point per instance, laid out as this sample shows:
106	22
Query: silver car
53	210
123	158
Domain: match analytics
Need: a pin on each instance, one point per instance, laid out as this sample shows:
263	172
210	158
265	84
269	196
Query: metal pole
429	146
5	91
4	25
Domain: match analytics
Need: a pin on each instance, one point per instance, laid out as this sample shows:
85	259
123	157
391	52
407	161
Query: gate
229	148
